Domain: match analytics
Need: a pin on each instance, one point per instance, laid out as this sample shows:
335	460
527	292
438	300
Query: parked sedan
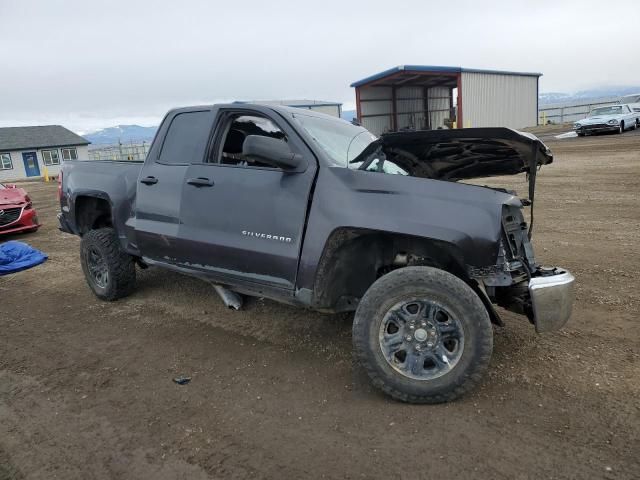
613	118
16	210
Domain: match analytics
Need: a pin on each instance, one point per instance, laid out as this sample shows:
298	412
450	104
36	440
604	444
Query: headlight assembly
612	122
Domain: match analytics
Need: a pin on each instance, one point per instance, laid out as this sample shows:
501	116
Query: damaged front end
515	280
519	284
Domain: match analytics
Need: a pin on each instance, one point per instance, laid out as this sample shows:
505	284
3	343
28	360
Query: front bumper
597	128
552	300
26	221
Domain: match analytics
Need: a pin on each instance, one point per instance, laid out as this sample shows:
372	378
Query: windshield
2	187
341	141
612	110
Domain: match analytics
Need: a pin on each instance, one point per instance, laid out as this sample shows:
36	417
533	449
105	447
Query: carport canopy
417	97
421	94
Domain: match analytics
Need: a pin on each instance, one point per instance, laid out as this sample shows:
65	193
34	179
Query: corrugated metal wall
333	110
410	108
381	105
494	100
439	106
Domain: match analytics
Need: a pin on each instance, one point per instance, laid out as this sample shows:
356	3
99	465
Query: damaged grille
516	239
9	215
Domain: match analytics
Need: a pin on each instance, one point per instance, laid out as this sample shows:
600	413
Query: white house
26	151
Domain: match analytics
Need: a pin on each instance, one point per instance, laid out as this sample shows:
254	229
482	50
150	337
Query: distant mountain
603	92
121	134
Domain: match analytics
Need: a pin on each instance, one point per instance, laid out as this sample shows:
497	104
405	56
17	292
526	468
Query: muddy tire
110	272
422	335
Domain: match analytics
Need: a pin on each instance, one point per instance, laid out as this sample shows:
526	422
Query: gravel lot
86	387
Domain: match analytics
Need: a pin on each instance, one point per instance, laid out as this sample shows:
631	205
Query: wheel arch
354	258
92	211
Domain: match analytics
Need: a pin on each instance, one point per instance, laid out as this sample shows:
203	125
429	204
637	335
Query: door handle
200	182
149	180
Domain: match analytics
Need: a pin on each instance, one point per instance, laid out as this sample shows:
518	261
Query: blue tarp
16	256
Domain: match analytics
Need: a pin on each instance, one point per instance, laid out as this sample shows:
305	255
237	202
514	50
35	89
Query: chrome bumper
552	300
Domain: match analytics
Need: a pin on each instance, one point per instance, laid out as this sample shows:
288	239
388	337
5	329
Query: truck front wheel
423	335
110	272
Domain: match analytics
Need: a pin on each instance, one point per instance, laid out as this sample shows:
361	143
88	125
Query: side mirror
271	151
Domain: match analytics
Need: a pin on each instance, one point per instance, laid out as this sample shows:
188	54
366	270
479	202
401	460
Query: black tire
445	290
580	134
621	127
118	276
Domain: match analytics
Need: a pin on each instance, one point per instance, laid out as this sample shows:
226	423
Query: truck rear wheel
110	272
423	335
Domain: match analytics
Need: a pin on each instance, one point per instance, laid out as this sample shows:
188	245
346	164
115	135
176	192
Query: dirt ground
86	387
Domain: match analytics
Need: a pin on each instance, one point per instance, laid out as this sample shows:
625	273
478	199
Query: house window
5	162
50	157
69	154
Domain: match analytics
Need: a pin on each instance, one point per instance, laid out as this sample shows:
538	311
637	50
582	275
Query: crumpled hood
12	196
461	154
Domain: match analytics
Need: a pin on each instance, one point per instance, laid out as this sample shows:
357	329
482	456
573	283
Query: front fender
464	216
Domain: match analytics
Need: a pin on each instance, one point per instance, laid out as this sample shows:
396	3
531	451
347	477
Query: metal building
330	108
425	97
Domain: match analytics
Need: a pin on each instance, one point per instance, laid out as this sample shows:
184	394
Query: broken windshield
341	141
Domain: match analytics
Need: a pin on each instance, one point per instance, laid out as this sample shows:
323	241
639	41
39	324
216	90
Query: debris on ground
182	380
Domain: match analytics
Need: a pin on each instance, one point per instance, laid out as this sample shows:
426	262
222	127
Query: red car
16	210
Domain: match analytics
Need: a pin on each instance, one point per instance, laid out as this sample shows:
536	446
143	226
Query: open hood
460	154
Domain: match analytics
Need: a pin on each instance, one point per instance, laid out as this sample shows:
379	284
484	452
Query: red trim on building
459	119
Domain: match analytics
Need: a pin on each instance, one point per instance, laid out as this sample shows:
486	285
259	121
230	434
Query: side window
50	157
5	161
187	137
239	128
69	154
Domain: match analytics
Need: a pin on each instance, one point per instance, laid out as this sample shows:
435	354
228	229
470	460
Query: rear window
186	139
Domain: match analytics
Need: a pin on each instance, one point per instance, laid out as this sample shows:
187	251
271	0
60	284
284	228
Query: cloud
91	63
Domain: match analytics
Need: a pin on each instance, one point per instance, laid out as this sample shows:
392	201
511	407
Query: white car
612	118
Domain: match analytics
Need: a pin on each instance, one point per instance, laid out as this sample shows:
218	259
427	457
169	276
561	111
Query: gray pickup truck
313	211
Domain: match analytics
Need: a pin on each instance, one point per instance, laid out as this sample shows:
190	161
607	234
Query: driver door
242	220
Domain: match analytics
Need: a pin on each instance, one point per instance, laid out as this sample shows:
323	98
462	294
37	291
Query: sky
92	64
